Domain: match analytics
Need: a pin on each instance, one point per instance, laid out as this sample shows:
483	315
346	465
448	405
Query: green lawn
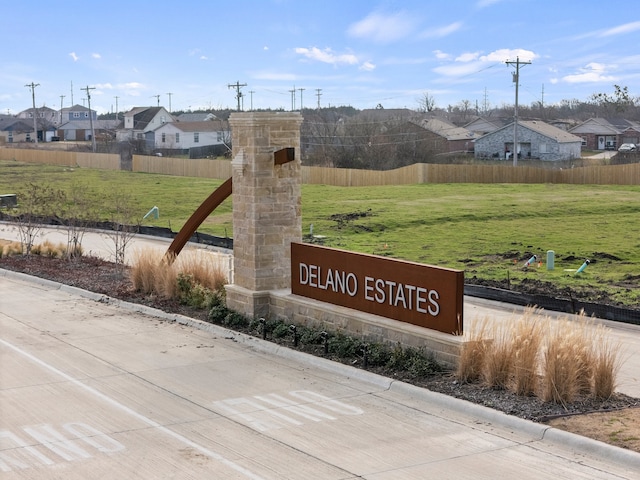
487	230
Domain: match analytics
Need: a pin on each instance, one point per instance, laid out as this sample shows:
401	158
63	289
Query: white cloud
383	27
441	31
74	56
472	62
505	54
327	56
367	66
621	29
440	55
467	57
203	57
97	56
591	73
104	86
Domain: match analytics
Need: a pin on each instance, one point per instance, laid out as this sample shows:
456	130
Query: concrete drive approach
91	388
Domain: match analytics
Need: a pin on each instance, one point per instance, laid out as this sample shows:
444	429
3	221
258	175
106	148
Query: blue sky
352	52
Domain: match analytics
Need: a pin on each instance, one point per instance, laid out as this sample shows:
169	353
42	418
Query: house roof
15	124
549	131
605	126
142	119
448	130
196	117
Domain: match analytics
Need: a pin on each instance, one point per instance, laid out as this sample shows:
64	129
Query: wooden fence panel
628	174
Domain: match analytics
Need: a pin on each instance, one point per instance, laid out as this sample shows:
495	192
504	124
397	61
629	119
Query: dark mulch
93	274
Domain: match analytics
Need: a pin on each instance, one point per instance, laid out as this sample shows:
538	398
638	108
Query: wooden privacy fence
628	174
105	161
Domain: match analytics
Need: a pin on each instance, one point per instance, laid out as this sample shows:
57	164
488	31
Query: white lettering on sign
379	290
271	411
337	281
409	297
18	454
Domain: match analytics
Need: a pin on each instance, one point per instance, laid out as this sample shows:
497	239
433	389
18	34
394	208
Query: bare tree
124	223
78	214
426	103
37	204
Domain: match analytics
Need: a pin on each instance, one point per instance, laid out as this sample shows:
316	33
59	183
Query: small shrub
218	313
344	346
236	320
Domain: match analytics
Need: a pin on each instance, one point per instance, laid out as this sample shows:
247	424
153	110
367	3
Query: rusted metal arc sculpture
218	196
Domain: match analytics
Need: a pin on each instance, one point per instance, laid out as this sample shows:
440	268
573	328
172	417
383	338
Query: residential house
607	133
14	130
483	125
45	119
76	113
536	139
452	138
80	130
187	136
141	122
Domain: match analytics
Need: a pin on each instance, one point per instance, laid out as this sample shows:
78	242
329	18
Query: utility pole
516	80
33	86
116	97
251	92
169	101
301	90
293	98
93	135
237	86
61	101
72	93
157	97
318	94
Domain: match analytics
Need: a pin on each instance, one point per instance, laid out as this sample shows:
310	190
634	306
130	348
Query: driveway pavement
93	388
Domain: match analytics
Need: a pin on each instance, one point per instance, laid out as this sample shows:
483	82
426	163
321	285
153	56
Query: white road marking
133	413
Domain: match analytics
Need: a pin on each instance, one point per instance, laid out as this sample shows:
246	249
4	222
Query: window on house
196	137
177	138
543	148
164	137
30	115
86	114
162	119
41	114
76	114
139	136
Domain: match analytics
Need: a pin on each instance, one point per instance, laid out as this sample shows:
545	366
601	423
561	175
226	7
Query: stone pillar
266	207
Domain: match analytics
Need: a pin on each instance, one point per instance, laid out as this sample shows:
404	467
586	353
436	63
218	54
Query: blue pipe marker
584	265
530	261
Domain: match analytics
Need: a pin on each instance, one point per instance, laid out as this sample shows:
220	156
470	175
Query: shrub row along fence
628	174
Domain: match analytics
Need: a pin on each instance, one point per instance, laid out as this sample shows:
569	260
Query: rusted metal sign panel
424	295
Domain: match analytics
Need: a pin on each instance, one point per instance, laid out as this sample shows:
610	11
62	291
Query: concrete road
93	389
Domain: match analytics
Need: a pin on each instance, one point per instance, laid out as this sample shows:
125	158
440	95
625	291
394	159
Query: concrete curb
537	431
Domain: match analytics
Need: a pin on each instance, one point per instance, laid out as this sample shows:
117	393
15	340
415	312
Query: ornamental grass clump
527	336
606	364
472	354
498	358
